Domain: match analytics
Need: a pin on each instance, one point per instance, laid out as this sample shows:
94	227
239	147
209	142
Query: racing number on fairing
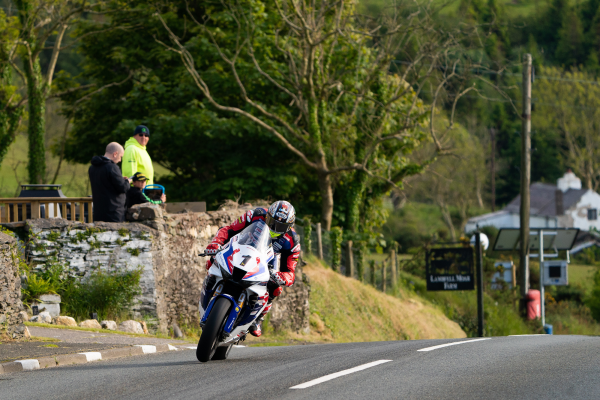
246	258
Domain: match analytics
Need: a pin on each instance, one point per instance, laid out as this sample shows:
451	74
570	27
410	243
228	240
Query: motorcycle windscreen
256	235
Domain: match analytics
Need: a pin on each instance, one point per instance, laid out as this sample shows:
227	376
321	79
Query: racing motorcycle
236	293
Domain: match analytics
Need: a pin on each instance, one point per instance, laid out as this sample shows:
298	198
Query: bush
42	282
594	299
110	294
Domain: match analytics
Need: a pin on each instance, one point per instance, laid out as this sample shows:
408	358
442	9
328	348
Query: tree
455	181
210	156
570	104
41	20
11	105
327	64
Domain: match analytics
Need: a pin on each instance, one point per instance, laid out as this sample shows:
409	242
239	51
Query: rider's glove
212	249
275	278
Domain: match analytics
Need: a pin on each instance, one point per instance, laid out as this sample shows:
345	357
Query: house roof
543	199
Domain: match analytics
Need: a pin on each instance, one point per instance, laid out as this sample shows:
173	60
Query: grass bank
345	310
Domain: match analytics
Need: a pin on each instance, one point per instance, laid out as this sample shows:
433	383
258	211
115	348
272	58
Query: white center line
338	374
451	344
532	334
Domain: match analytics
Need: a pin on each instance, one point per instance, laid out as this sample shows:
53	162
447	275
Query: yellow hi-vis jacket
137	159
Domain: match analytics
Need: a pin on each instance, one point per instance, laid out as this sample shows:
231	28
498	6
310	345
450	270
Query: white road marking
451	344
92	356
532	334
238	345
338	374
147	349
189	347
172	347
29	365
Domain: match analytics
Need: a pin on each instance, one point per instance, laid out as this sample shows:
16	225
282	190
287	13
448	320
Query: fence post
336	248
394	271
307	234
349	260
372	265
383	265
320	241
360	264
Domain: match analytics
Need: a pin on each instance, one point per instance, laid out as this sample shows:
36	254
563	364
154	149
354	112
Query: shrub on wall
110	294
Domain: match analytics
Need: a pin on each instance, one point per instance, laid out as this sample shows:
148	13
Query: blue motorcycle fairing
212	302
235	311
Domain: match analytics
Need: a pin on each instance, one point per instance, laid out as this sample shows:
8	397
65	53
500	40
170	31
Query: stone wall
166	246
11	322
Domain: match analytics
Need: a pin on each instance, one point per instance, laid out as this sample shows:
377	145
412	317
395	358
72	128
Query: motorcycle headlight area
225	271
237	277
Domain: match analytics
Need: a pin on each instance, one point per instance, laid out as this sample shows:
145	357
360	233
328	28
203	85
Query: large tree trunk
326	190
37	124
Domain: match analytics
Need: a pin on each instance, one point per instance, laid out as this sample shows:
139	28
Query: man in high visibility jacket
136	158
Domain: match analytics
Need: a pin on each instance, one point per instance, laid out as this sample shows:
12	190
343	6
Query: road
519	367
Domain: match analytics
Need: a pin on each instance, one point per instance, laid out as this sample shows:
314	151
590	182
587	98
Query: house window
592	214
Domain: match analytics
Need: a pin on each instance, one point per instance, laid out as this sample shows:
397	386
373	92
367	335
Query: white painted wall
578	215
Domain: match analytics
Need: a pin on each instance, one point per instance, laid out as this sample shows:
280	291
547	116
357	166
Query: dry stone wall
166	246
11	322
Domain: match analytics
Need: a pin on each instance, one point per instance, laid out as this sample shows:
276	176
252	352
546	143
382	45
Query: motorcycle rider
280	218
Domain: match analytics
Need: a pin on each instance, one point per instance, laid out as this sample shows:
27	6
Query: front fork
233	314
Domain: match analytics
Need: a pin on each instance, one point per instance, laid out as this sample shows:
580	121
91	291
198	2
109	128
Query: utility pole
525	180
493	167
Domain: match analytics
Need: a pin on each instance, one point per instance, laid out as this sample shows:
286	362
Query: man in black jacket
109	187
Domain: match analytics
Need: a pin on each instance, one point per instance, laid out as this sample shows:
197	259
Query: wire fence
381	273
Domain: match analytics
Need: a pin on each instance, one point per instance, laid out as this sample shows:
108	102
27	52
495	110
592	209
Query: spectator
136	195
136	158
109	187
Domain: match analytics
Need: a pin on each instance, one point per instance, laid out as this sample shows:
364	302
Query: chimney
558	199
568	181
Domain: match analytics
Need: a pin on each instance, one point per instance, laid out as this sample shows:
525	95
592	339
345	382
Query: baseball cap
139	177
141	129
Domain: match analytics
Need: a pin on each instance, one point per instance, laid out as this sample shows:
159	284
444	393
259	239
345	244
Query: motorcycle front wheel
207	346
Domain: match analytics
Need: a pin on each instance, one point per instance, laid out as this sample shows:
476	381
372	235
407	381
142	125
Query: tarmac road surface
514	367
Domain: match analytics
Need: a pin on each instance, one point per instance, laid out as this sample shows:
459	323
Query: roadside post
394	267
349	260
319	241
479	261
383	277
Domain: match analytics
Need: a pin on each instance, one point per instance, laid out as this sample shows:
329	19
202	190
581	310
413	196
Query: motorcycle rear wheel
207	346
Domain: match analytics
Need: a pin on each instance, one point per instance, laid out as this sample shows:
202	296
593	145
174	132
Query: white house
564	205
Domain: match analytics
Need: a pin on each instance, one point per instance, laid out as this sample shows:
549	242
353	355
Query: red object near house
533	304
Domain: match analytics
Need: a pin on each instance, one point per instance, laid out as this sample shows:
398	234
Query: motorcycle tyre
222	353
207	345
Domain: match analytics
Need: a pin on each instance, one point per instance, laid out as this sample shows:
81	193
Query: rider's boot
255	329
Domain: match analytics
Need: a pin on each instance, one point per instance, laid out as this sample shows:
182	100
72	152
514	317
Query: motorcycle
235	292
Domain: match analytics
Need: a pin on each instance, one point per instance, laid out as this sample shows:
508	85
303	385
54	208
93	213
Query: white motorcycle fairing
245	262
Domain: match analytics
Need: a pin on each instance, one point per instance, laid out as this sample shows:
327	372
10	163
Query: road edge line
92	356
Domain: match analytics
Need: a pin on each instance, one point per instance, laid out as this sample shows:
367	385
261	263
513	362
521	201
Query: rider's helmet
280	218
